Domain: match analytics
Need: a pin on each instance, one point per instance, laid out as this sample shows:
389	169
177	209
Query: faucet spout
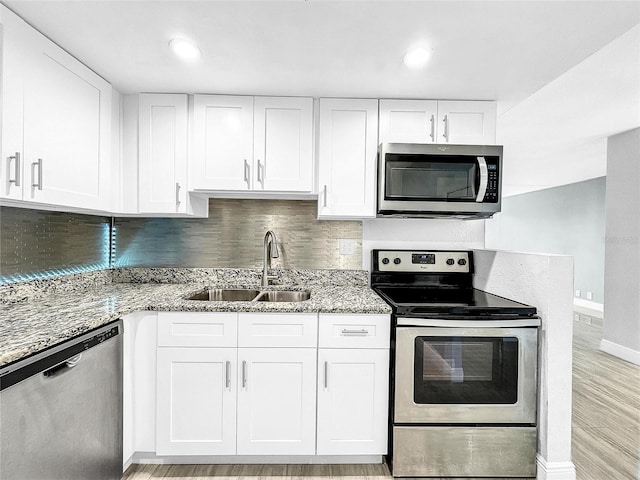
270	250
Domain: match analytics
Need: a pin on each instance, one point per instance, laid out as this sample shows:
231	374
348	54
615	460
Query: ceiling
485	50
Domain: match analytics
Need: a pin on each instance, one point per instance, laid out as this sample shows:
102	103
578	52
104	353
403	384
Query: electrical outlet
577	293
589	295
347	246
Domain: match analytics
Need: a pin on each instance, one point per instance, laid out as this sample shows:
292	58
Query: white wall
566	220
420	233
621	327
558	135
546	282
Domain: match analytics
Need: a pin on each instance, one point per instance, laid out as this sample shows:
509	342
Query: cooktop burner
436	282
419	301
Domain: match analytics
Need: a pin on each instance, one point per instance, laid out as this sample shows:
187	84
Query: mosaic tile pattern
233	235
36	243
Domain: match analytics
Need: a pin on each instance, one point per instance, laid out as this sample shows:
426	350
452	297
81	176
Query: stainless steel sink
284	296
243	295
225	294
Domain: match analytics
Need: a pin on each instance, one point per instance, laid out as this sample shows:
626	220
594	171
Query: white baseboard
588	305
555	470
620	351
152	458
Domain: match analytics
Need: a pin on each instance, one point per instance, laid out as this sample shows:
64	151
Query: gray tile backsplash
36	243
232	237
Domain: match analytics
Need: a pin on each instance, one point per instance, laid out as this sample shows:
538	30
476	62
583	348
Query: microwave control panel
491	194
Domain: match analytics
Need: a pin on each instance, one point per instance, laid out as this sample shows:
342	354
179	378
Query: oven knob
396	261
450	261
462	261
385	260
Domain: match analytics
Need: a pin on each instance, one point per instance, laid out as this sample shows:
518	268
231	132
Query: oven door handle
484	179
450	323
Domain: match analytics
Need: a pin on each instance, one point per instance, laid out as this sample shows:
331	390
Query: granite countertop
35	322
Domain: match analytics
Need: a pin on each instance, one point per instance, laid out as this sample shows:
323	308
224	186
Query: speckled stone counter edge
34	289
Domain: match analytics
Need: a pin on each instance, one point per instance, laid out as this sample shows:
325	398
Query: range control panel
434	261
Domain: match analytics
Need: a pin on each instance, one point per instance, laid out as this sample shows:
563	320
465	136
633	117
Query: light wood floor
606	408
606	427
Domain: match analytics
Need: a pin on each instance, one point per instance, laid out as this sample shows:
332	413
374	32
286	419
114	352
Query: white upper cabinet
283	144
431	121
408	121
162	153
14	40
348	146
253	144
223	142
467	122
65	144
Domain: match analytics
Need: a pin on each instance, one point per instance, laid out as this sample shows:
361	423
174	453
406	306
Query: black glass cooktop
418	301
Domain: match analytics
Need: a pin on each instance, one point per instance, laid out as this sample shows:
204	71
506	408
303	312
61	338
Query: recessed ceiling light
184	49
416	57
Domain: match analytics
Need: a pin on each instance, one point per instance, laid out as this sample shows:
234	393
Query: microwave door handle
484	179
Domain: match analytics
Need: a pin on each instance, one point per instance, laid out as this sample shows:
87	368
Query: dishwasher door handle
66	365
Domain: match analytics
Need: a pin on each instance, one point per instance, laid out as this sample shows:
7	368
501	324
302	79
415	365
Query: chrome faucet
270	251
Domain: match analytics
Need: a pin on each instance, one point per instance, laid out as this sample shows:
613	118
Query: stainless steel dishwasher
61	411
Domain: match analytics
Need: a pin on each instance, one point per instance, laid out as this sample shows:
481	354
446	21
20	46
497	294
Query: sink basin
284	296
225	294
243	295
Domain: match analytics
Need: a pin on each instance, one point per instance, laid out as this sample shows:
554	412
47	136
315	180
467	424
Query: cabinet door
276	401
223	143
67	136
408	121
282	149
348	146
162	153
467	122
13	42
196	401
353	393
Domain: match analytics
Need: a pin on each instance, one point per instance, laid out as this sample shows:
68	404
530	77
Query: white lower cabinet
276	401
271	385
196	401
353	384
352	401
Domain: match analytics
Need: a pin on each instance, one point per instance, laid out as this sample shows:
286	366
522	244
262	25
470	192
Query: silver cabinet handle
16	169
325	196
433	128
445	134
177	194
363	331
326	375
37	164
247	171
244	374
227	370
261	169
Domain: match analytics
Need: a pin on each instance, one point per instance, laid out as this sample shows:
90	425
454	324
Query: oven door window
466	370
410	177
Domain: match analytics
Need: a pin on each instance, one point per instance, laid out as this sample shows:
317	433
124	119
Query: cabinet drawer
197	329
353	331
277	330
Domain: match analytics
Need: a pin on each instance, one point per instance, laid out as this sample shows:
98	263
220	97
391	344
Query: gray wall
622	280
233	236
35	243
567	220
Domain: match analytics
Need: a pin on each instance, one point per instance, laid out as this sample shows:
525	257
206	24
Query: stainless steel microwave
432	180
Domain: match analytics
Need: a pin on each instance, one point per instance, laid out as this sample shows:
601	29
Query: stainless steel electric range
464	369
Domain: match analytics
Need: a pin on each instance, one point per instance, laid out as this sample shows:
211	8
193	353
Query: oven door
465	375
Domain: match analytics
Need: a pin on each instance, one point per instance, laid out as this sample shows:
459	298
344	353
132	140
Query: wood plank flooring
606	427
606	408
